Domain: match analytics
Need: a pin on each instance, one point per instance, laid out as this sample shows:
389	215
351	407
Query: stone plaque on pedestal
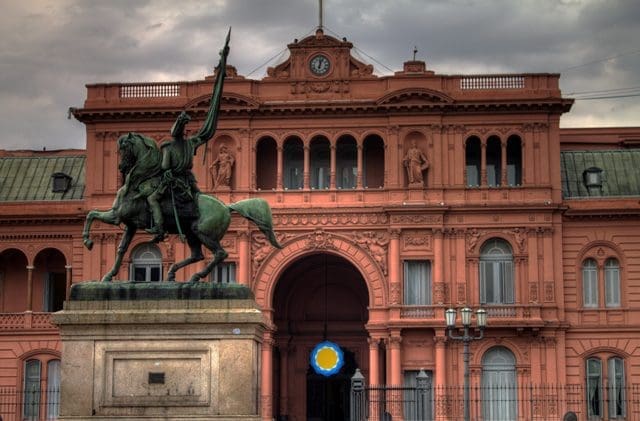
167	358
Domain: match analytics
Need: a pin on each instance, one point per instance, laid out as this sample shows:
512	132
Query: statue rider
177	154
177	162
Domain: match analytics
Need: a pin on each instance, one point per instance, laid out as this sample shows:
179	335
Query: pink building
395	198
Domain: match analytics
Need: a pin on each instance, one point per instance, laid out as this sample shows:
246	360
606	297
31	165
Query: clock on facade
319	65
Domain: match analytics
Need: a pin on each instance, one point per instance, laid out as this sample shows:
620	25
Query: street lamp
466	338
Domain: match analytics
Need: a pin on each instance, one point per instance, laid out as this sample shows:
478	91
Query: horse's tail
257	211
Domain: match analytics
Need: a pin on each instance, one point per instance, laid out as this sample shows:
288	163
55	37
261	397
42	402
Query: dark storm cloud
50	49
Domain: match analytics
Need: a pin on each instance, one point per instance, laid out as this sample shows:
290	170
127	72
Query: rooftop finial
320	12
415	51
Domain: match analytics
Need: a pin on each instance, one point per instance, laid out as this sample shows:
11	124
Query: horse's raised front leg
196	256
108	217
129	231
219	254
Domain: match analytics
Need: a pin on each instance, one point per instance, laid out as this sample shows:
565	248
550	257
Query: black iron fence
29	405
495	403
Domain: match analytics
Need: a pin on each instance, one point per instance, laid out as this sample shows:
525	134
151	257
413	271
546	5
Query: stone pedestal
169	359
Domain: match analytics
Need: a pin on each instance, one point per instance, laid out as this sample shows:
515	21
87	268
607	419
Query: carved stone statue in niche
415	162
222	169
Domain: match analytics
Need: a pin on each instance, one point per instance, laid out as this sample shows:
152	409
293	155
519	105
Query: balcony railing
494	312
150	90
25	321
492	82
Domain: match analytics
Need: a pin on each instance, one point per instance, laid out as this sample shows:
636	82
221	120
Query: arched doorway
320	296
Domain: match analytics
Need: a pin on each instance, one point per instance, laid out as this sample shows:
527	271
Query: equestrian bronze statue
160	193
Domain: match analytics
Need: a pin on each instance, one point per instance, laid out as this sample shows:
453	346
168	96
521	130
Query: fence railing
33	404
495	403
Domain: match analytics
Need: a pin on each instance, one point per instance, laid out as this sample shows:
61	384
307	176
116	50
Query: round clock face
319	65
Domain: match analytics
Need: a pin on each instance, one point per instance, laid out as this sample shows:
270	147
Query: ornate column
30	288
284	380
280	168
306	165
254	181
266	377
244	258
395	339
360	171
440	375
332	170
68	287
374	360
483	162
394	267
438	263
503	164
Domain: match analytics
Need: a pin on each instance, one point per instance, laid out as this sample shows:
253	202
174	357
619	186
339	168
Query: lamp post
466	338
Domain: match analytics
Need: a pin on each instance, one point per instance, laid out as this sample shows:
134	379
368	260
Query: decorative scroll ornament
376	244
320	239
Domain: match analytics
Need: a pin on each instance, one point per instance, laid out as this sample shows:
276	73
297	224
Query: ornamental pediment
229	100
414	96
320	58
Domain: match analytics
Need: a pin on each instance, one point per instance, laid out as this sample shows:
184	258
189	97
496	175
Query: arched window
494	161
266	164
612	283
346	163
293	154
499	385
320	162
41	388
146	263
373	165
609	396
514	161
472	161
594	388
496	273
590	283
616	388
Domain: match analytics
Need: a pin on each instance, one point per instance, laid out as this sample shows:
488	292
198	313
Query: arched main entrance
320	296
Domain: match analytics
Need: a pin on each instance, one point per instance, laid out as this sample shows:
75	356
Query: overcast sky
49	49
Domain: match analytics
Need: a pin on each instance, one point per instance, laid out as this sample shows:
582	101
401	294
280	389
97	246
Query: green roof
620	173
29	178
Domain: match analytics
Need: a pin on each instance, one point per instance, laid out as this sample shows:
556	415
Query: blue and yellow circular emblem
327	358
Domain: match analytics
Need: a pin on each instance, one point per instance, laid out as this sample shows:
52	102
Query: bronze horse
205	225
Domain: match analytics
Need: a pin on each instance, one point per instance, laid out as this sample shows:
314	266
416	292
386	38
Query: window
417	282
496	273
615	388
514	161
55	286
320	163
499	394
613	396
373	162
293	153
146	264
346	163
494	161
224	273
418	403
34	398
612	283
266	164
593	270
472	159
590	283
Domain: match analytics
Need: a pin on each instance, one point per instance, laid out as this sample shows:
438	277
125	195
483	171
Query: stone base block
160	359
